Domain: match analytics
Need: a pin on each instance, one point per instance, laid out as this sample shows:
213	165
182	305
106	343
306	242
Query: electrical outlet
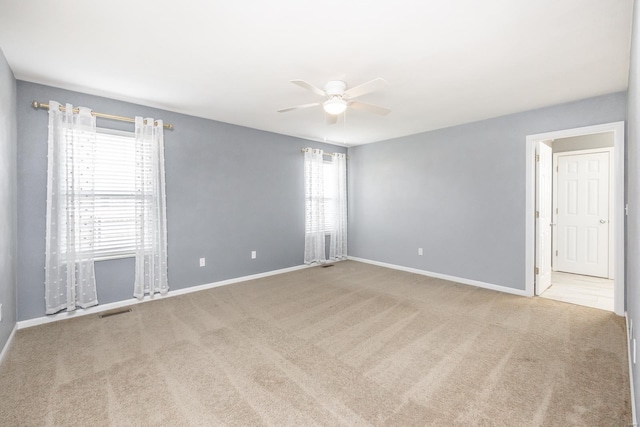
634	351
202	262
254	255
419	251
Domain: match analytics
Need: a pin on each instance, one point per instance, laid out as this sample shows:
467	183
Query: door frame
618	204
612	219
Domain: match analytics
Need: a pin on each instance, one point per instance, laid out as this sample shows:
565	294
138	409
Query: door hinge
537	214
537	270
556	253
537	157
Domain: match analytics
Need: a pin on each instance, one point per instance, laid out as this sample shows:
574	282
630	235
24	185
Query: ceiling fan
338	98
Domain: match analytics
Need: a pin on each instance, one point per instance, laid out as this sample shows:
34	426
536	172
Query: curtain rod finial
35	105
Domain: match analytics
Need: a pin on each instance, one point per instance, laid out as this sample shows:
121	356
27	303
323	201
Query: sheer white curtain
338	241
314	206
69	260
151	220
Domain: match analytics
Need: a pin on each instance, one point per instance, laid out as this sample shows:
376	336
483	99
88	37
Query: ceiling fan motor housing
335	87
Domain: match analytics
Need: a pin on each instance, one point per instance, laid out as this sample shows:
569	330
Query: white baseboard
7	345
133	301
634	421
462	280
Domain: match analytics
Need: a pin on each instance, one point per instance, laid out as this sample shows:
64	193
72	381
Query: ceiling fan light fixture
334	105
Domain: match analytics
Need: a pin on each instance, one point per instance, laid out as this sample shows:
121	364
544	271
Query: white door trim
618	200
612	218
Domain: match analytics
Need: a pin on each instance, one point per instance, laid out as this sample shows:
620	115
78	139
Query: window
112	195
329	197
105	199
328	200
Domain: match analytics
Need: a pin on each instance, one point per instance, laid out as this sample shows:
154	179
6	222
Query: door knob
602	221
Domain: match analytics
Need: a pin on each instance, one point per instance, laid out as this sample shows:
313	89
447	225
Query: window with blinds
111	198
328	200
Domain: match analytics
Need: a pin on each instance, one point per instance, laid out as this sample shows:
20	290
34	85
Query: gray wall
458	192
230	190
8	178
583	142
633	191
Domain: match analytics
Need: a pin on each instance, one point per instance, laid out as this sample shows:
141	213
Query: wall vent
115	313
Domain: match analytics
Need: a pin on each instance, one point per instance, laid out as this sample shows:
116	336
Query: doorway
575	216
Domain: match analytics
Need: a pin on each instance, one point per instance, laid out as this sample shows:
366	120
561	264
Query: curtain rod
302	150
36	105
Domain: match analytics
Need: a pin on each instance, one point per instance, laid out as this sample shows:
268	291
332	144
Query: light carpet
353	344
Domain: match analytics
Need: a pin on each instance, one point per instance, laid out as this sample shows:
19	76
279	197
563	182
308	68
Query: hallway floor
589	291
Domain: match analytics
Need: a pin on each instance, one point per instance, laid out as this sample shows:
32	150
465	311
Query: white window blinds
112	197
327	199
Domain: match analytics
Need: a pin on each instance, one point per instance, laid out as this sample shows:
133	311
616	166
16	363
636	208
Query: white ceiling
447	61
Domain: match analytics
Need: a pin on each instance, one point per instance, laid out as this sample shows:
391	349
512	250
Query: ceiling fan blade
331	119
364	88
297	107
310	87
369	108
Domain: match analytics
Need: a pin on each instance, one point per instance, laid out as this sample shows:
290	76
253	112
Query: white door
544	188
583	214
